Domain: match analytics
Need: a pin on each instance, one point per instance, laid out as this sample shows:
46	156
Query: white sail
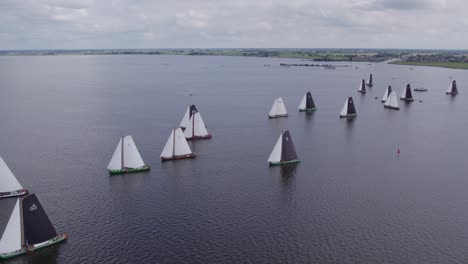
196	127
116	161
362	87
11	238
385	96
8	181
278	108
132	158
344	110
168	150
403	94
392	101
449	90
275	155
176	145
302	105
186	118
181	145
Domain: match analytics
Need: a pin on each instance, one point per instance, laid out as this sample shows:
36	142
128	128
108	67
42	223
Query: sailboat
406	94
278	109
387	93
9	185
191	109
452	88
348	109
196	128
362	87
392	101
28	229
126	158
284	151
370	83
176	147
307	104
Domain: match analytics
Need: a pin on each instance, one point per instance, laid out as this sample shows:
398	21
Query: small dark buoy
376	97
398	152
420	101
190	94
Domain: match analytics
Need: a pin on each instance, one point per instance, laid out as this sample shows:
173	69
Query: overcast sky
68	24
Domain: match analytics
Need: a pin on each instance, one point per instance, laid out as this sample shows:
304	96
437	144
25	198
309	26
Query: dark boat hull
179	157
129	170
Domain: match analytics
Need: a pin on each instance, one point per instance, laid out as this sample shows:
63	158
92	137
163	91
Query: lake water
352	199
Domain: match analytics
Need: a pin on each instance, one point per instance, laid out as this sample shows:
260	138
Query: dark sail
409	95
351	108
288	152
363	85
193	110
309	101
37	227
454	87
370	80
389	90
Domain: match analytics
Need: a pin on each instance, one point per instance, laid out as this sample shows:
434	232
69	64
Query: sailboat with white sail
407	95
191	109
453	90
278	109
348	110
126	158
196	128
176	147
370	81
392	101
284	151
28	229
362	87
307	104
9	185
387	93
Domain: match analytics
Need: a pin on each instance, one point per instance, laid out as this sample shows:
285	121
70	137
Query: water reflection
287	174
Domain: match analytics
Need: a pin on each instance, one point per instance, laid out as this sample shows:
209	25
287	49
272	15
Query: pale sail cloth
132	158
8	181
344	110
176	145
191	109
11	238
278	109
196	127
387	93
302	105
392	101
275	155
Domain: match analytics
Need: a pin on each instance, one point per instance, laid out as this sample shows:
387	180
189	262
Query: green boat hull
53	241
145	168
308	110
284	162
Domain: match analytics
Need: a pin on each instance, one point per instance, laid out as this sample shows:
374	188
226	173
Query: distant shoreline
449	65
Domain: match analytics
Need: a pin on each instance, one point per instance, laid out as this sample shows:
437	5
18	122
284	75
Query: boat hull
420	90
277	116
284	162
362	92
451	93
199	137
308	110
129	170
348	116
407	99
13	193
179	157
60	238
391	107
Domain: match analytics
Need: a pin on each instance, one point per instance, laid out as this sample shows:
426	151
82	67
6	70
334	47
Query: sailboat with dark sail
407	95
307	104
387	93
9	185
126	158
176	147
370	82
348	110
284	151
453	90
28	229
191	109
196	128
362	87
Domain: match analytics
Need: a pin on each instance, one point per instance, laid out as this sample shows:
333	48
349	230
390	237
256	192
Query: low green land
452	65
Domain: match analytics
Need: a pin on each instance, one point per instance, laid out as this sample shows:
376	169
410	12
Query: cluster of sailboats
28	228
127	158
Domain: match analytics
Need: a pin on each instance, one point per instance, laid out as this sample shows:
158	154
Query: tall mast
173	143
122	156
193	125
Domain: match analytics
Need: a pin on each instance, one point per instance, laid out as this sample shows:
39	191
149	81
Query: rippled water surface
350	200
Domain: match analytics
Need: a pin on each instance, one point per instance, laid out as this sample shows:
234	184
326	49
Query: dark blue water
350	200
